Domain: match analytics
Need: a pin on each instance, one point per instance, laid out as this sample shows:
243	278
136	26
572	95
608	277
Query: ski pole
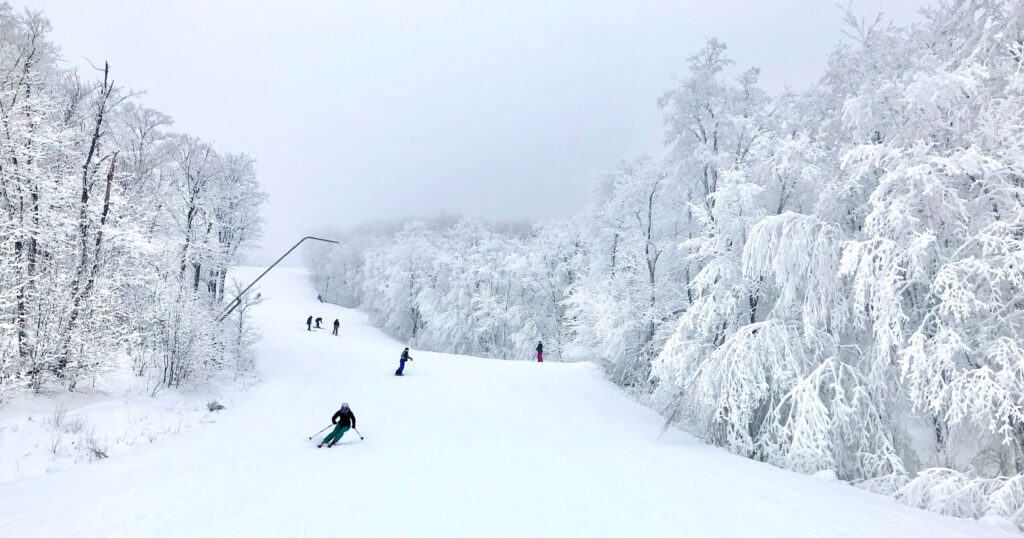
357	433
319	432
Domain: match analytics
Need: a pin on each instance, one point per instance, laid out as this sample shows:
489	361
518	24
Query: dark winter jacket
405	356
337	323
345	418
309	320
540	347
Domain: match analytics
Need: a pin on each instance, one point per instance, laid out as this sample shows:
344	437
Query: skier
401	366
342	420
309	323
336	325
318	320
319	298
540	351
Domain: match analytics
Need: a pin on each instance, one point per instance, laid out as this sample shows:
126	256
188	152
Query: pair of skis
332	444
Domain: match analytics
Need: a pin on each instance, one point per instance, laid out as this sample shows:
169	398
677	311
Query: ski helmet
344	405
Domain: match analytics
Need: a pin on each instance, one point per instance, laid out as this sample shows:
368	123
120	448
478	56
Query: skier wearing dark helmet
343	420
401	362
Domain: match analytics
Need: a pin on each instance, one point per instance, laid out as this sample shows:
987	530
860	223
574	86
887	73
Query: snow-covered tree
826	279
101	212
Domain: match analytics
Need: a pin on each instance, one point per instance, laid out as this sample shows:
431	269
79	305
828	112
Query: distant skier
336	325
309	323
401	366
318	320
258	296
342	420
319	298
540	351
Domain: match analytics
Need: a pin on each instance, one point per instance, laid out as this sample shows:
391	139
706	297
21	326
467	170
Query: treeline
823	279
116	234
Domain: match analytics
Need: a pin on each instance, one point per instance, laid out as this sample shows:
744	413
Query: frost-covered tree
823	279
893	281
95	235
621	307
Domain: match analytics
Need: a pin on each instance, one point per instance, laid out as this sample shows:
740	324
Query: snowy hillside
461	446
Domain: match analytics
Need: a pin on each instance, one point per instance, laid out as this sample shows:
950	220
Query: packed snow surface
460	446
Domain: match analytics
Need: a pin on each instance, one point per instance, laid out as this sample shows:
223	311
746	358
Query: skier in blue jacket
401	365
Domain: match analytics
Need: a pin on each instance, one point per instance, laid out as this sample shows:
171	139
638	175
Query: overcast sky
361	110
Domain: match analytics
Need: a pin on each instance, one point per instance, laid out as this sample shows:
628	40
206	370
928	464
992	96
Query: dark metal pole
238	299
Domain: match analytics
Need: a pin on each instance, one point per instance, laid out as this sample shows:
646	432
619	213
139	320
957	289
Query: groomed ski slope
461	446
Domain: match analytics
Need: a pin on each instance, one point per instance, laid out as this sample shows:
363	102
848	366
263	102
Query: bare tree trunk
651	255
615	251
21	315
28	279
223	283
83	213
195	278
188	236
97	247
90	283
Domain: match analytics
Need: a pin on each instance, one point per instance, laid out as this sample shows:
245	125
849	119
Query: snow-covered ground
461	446
43	434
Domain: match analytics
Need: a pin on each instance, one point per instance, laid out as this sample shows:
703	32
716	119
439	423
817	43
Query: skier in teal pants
342	420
